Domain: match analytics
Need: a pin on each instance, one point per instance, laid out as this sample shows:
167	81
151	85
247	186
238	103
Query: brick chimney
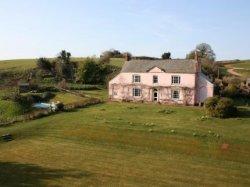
198	65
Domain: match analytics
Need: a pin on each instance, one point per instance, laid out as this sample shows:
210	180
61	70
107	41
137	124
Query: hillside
23	64
238	68
123	144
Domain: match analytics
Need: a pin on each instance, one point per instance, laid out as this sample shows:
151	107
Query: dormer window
176	79
155	79
136	78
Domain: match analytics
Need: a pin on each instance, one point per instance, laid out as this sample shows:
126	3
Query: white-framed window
176	79
155	79
136	92
136	78
175	94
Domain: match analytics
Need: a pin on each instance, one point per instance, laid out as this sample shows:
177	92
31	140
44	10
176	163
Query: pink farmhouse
165	81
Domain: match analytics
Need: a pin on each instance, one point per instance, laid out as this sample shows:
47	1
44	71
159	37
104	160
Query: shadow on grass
17	174
243	112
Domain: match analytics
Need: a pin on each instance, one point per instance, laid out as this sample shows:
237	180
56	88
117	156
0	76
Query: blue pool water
42	105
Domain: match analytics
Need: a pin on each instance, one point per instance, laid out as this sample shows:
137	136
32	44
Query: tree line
88	71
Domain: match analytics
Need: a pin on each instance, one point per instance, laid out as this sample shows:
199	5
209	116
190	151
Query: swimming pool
42	105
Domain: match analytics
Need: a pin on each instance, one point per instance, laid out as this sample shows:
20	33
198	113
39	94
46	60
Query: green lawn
126	144
67	98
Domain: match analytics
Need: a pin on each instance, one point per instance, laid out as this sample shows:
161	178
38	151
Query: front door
155	95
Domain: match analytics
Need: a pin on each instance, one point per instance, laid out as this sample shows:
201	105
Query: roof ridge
168	65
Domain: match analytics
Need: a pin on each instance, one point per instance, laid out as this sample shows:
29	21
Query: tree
112	54
64	67
44	64
64	56
166	55
209	69
207	57
89	72
92	72
204	52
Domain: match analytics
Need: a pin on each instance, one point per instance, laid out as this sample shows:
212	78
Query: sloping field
17	65
23	64
123	144
241	68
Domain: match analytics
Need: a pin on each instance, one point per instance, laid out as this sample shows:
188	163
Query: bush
220	107
47	96
230	91
60	106
10	95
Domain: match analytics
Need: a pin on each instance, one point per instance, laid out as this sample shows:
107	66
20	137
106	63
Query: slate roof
169	66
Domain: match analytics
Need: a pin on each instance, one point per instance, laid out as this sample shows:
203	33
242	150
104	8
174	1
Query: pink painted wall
164	79
120	88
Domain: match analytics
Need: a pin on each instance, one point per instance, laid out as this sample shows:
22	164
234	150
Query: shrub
10	95
220	107
231	80
230	91
27	101
47	96
60	106
44	64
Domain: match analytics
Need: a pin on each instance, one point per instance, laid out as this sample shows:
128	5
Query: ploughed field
127	144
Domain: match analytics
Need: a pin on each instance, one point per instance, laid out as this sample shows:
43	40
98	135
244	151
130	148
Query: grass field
126	144
241	67
24	64
17	65
244	72
242	64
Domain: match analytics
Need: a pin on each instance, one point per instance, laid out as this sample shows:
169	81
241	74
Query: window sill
175	84
175	99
